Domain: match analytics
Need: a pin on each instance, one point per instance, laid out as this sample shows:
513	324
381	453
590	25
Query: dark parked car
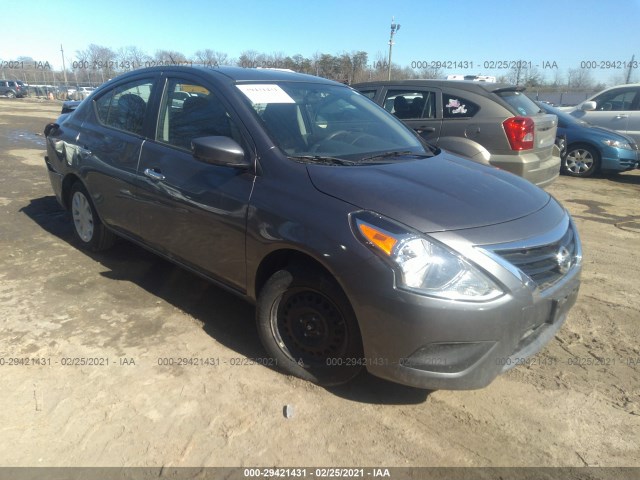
487	122
360	246
590	149
13	88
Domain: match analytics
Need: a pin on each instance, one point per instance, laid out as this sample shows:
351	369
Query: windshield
311	121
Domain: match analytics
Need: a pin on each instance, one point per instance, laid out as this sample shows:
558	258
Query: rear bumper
530	166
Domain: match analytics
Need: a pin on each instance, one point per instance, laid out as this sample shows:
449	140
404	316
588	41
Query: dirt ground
576	404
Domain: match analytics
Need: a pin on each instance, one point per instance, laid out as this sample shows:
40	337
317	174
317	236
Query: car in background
591	149
360	245
616	108
13	88
84	92
487	122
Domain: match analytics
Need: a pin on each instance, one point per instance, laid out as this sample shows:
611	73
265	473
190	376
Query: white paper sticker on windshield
265	93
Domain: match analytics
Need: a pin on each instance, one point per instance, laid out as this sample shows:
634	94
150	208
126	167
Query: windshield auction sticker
265	93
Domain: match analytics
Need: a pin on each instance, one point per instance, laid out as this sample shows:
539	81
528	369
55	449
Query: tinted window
518	100
616	100
124	106
454	106
190	111
411	103
368	93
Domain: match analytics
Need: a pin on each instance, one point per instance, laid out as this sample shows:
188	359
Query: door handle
153	175
621	116
425	129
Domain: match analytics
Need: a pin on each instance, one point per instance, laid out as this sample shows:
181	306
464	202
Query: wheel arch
278	259
583	143
67	183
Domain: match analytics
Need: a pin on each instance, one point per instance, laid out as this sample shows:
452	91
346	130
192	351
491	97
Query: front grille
546	264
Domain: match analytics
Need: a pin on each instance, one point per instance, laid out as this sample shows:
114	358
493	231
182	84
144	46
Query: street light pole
64	68
394	28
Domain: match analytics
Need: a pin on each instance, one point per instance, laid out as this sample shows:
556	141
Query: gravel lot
575	404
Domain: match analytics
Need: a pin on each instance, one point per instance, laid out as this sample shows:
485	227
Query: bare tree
132	57
579	78
250	59
171	57
97	62
212	57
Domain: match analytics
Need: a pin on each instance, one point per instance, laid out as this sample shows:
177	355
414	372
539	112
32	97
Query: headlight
617	144
423	265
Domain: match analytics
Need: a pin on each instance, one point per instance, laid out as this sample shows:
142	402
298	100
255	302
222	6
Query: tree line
97	63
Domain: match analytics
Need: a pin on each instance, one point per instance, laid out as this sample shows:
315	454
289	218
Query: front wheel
581	161
88	230
307	325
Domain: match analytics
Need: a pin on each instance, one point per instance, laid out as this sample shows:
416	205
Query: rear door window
455	106
124	107
406	104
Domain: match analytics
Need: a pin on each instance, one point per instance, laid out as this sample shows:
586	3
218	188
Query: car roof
459	84
239	74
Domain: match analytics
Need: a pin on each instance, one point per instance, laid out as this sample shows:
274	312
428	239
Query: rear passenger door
109	148
191	210
418	108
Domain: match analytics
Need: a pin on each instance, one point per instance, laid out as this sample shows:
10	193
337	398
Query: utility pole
394	28
633	57
64	69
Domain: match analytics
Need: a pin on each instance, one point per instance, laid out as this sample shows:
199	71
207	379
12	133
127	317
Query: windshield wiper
323	159
395	154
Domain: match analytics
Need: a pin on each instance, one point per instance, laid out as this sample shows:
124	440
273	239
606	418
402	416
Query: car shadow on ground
625	178
225	317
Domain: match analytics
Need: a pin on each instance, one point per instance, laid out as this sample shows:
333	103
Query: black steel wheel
307	325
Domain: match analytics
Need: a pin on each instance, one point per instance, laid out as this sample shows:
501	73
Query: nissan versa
360	245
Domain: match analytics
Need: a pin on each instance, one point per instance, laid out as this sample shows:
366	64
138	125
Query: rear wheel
88	230
10	94
581	161
307	325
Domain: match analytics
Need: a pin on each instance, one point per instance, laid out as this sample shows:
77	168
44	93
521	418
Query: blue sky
562	31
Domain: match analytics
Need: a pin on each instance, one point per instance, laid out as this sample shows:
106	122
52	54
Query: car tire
581	161
307	325
88	229
10	94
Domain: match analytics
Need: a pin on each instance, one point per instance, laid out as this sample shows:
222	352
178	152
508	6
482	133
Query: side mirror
588	106
223	151
49	127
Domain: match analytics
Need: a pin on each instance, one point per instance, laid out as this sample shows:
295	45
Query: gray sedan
361	246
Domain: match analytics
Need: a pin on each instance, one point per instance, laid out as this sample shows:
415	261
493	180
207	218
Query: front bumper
620	160
434	343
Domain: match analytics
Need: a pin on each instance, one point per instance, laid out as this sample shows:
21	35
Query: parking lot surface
122	359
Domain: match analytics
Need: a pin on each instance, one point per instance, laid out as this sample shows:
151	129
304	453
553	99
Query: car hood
441	193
